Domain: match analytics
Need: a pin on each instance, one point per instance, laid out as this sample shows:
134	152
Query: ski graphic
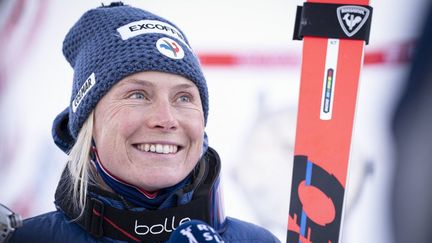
334	33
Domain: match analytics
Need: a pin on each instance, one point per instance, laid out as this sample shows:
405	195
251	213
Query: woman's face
149	129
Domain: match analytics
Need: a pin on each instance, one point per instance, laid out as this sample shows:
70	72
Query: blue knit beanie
111	42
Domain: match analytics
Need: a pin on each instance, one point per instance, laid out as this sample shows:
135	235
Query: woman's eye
137	95
184	99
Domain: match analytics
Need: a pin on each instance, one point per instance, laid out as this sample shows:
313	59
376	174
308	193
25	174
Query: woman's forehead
156	79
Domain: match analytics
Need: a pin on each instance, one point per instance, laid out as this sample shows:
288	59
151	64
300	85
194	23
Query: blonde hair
81	171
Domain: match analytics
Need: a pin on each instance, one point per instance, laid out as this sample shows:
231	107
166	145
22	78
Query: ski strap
338	21
100	219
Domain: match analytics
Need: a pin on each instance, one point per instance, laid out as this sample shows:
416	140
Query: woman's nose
162	116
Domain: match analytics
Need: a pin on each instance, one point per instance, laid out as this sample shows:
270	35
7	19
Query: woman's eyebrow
142	82
184	86
146	83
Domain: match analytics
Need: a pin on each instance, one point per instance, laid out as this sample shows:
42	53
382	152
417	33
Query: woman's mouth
157	148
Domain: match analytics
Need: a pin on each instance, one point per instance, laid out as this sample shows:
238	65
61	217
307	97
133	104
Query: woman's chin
159	181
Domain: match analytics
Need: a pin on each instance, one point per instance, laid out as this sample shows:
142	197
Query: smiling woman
139	124
139	162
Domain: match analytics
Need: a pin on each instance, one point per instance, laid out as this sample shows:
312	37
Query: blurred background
252	67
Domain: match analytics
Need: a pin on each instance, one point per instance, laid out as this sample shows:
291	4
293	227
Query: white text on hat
149	27
87	85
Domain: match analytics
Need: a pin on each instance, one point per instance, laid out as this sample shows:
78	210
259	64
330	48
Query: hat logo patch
143	27
87	85
170	48
352	18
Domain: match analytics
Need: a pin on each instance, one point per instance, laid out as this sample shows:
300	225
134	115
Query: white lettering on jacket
168	225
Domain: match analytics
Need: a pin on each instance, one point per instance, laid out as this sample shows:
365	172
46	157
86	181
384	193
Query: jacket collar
108	215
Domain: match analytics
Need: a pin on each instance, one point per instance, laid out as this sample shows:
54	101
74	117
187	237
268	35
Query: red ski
334	33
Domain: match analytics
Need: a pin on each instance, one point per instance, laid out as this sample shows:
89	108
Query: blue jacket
57	226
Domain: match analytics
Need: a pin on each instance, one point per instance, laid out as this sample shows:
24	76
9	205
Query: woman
139	164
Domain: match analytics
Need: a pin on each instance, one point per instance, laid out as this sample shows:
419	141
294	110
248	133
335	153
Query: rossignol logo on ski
352	18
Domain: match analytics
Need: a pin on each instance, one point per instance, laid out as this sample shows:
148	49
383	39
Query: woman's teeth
158	148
